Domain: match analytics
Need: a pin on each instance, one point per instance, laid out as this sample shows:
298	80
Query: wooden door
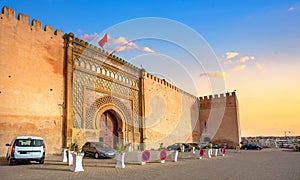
108	129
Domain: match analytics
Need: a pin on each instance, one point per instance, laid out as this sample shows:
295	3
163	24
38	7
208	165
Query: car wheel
245	148
41	161
96	155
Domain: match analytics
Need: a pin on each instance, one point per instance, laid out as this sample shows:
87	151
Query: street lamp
286	132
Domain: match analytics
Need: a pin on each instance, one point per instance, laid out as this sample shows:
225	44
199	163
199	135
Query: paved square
265	164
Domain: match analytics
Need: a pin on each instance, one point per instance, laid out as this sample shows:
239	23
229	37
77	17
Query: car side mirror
7	144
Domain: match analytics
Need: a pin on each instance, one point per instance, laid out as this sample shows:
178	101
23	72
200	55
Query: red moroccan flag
103	40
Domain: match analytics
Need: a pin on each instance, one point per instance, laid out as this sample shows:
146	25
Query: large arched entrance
107	118
108	128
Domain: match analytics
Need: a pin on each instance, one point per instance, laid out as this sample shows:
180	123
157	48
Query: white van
26	148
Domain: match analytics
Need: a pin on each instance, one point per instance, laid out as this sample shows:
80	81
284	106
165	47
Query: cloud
291	9
117	44
214	74
127	45
230	55
88	37
260	67
147	49
120	48
246	58
119	40
228	62
238	68
132	45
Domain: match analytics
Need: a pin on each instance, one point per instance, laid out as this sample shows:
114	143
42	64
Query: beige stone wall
171	115
229	130
220	119
31	81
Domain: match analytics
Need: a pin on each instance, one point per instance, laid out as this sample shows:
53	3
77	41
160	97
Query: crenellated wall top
166	83
218	96
9	14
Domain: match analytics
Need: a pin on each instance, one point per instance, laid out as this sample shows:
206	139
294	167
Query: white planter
182	148
193	150
120	160
64	156
70	157
220	151
175	156
208	153
215	152
77	162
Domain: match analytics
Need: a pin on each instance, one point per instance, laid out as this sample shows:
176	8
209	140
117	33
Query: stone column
142	118
69	88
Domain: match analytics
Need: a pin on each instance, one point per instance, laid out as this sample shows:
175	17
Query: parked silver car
26	148
98	149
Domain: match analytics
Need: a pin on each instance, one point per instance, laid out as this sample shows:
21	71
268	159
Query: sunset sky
251	46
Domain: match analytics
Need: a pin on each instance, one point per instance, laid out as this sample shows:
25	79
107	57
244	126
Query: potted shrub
128	147
120	156
220	149
208	150
215	150
77	159
161	146
182	147
70	152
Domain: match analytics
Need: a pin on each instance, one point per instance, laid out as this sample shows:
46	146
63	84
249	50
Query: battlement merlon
23	18
218	96
10	14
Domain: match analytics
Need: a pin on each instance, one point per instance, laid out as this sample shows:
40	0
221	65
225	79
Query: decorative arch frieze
103	104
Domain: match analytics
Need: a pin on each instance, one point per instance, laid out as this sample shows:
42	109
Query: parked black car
196	145
176	147
98	149
251	146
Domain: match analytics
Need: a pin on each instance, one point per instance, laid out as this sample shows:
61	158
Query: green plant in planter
73	146
161	146
119	148
128	144
78	149
209	146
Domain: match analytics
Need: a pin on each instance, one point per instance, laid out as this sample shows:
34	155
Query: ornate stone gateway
103	96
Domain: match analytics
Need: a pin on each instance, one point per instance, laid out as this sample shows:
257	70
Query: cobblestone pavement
265	164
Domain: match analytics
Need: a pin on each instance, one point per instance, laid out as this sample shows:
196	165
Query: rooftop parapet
217	96
10	14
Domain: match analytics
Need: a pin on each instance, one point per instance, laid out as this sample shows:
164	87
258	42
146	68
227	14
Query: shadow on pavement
3	161
50	169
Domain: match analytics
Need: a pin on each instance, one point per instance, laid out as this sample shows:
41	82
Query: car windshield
102	145
29	142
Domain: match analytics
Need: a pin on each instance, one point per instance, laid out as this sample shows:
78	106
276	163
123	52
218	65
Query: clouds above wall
118	44
237	62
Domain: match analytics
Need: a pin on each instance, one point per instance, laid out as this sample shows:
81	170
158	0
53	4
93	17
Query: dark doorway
108	129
